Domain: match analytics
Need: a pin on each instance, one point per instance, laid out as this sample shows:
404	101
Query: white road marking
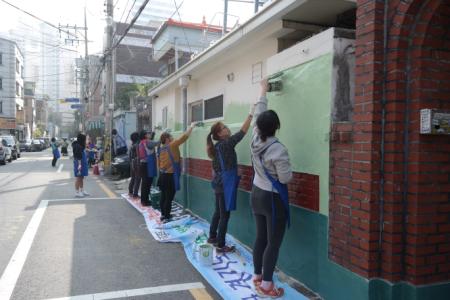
137	292
11	274
14	268
78	199
61	166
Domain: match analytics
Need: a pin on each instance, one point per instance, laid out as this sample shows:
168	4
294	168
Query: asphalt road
66	248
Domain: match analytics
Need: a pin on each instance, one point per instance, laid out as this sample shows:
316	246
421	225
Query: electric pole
86	74
109	101
225	15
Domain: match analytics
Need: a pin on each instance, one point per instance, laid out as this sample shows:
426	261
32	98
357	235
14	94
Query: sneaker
85	193
273	292
79	195
257	282
225	249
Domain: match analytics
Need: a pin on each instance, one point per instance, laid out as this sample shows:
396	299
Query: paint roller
275	83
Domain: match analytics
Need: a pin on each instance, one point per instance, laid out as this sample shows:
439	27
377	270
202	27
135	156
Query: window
214	108
1	58
1	84
17	89
1	107
21	71
17	66
196	111
164	117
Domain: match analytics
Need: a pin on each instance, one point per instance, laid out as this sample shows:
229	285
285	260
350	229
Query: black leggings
219	221
167	186
54	161
269	235
145	185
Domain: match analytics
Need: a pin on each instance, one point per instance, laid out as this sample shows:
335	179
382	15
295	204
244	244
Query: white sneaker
85	193
79	195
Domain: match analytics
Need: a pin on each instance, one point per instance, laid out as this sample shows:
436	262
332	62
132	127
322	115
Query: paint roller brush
275	83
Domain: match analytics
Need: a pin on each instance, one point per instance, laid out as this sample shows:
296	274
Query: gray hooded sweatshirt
275	156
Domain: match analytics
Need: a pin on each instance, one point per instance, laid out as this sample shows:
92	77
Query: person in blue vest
55	151
91	149
135	182
269	197
226	180
147	164
80	164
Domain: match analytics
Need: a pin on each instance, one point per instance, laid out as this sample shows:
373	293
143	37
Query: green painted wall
304	108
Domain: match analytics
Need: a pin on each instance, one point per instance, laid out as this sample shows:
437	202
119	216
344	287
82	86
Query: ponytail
213	135
210	146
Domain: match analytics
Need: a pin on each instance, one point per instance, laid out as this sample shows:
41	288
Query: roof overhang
268	23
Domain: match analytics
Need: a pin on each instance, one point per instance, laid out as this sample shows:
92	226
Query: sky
71	12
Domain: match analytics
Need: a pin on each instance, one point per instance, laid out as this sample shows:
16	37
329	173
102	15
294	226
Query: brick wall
303	190
413	207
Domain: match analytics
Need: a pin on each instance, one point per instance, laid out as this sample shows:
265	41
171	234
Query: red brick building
390	185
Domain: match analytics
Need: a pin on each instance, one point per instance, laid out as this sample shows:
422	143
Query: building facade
370	195
11	88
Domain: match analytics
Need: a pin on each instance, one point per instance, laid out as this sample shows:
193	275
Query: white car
5	152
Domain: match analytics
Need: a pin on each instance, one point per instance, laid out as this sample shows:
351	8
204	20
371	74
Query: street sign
73	100
77	106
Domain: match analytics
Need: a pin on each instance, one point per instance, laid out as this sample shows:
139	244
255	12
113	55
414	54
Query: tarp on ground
230	274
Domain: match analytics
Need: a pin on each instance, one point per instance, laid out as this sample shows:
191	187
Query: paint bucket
205	254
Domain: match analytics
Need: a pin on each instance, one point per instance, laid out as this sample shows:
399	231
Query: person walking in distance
135	182
55	151
269	197
226	180
147	164
170	170
119	146
80	164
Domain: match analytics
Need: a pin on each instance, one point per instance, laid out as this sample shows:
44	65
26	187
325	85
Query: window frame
216	118
195	103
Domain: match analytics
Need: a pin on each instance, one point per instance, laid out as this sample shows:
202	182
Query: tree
122	99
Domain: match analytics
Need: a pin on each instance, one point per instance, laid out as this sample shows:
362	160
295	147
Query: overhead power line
37	18
138	13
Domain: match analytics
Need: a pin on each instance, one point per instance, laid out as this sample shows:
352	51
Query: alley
86	246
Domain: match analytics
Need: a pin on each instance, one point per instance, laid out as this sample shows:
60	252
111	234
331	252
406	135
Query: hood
258	146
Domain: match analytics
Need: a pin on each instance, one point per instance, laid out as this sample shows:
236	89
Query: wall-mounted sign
72	100
434	121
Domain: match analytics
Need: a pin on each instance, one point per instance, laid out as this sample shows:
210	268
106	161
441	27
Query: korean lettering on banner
234	279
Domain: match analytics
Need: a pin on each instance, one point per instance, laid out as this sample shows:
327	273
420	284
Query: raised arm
183	138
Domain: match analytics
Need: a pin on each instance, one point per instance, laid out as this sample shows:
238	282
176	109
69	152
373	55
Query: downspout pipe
183	83
382	142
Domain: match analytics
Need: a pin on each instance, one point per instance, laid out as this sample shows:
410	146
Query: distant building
29	108
175	42
11	88
155	13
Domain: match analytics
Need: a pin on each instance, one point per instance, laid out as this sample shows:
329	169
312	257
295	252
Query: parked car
25	146
5	152
13	144
121	166
43	144
36	145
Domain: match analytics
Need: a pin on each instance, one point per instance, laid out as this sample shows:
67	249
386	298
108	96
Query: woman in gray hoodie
269	197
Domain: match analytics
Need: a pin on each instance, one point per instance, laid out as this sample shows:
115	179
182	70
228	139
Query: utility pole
86	73
109	101
256	6
225	15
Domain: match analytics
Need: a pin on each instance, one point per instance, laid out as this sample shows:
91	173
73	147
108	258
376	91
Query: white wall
208	82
